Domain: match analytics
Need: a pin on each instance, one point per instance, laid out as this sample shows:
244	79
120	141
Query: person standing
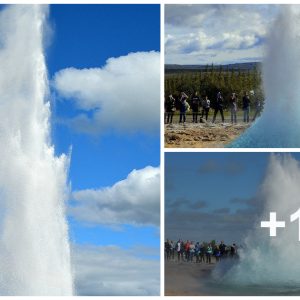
167	249
219	107
246	107
172	249
192	251
209	252
202	252
197	252
205	107
257	108
222	248
195	103
233	107
170	108
217	253
184	107
178	250
187	250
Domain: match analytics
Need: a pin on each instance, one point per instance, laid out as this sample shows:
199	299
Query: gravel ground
202	135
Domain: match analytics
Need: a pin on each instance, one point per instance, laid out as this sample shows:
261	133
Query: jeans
170	117
233	115
182	117
205	111
246	114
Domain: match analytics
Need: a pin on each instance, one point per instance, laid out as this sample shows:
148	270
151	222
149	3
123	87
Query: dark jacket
233	102
170	104
220	102
195	103
246	102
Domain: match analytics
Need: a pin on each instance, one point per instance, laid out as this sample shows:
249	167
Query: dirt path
186	279
202	135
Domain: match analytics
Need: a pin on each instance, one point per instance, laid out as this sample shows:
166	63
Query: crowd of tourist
195	103
190	251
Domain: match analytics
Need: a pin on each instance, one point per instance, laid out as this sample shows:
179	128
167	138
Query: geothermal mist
279	125
273	261
34	247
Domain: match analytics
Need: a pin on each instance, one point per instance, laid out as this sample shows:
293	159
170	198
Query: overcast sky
220	34
213	195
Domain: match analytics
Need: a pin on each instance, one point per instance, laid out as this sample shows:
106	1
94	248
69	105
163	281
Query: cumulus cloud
134	200
198	34
189	43
238	41
123	95
113	271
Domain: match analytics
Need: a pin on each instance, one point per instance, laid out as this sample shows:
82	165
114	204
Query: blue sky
84	37
217	33
213	195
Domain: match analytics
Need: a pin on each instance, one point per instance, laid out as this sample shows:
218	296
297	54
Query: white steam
279	124
34	247
274	261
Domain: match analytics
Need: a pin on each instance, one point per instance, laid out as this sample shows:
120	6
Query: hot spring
34	243
267	265
279	124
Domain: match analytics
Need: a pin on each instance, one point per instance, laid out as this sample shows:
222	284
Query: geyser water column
273	262
279	125
34	244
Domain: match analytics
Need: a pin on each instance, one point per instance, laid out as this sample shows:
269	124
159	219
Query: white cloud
134	200
200	34
189	43
239	41
123	95
113	271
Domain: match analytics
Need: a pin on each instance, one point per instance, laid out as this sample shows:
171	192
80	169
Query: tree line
212	79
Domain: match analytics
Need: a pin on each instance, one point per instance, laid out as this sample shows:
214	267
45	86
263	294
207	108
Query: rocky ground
202	135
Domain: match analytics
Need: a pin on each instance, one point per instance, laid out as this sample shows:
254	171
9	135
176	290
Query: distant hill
173	68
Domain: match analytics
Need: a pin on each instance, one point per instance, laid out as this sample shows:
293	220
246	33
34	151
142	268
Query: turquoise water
270	132
218	289
279	124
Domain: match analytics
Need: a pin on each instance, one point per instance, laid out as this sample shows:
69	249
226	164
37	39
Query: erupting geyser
271	264
34	244
279	125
